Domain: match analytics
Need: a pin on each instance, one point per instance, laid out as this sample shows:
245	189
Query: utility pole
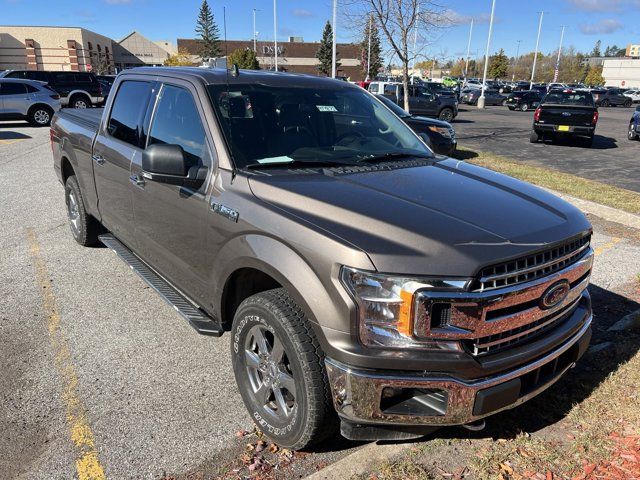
415	40
275	37
255	34
333	46
466	65
557	70
535	55
369	48
486	56
515	66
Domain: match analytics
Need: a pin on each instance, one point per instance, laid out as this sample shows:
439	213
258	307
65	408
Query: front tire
79	101
627	104
84	227
605	103
279	369
631	133
446	114
524	107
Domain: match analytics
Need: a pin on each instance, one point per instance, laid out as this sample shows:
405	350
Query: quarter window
129	106
177	122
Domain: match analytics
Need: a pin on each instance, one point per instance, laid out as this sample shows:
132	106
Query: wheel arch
38	105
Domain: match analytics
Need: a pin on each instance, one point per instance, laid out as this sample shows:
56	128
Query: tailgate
566	115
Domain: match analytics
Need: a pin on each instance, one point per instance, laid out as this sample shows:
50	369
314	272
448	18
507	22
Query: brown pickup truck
365	282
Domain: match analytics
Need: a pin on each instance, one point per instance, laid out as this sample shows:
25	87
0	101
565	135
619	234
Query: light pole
557	70
466	65
486	56
333	40
415	40
369	48
255	34
535	55
515	66
275	37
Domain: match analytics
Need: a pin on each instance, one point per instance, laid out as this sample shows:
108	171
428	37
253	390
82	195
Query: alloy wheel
74	214
270	375
41	117
80	104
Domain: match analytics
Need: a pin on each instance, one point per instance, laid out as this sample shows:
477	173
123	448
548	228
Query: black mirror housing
165	160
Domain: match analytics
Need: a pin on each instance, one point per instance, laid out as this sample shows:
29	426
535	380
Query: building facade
293	56
55	48
621	72
135	50
633	51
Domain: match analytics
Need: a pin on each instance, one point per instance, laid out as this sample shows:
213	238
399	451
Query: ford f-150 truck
365	283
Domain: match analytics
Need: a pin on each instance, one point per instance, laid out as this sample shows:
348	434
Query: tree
594	76
401	21
182	58
596	49
376	62
325	52
244	58
498	65
457	69
208	31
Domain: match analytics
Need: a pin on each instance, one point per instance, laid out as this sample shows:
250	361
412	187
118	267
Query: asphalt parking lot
613	159
92	356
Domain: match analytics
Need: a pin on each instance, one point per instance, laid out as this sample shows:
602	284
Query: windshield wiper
392	156
299	162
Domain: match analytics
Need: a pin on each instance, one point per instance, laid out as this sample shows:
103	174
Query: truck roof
220	76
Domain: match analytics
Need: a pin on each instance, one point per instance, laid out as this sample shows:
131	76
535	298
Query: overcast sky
612	21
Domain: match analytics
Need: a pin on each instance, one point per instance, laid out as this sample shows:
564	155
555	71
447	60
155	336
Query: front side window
177	122
127	113
266	124
12	88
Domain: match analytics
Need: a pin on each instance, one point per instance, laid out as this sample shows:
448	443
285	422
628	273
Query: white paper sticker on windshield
327	108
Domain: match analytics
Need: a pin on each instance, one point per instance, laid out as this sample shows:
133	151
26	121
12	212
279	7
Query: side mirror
169	164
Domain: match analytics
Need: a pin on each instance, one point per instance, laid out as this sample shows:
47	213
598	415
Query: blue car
634	125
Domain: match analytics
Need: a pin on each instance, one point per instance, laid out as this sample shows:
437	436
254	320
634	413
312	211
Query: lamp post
515	66
255	34
466	65
535	55
275	37
486	56
557	70
333	40
369	48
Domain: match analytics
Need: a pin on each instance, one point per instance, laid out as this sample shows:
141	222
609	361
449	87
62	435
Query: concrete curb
360	461
607	213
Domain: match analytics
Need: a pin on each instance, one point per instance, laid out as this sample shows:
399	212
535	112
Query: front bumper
411	399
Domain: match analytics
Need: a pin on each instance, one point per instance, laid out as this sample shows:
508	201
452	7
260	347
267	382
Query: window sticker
326	108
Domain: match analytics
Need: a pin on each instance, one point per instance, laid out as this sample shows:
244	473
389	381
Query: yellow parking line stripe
607	246
88	465
9	142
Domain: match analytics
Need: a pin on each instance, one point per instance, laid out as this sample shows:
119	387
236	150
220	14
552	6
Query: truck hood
439	218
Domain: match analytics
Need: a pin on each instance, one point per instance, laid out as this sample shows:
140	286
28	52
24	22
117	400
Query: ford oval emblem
555	294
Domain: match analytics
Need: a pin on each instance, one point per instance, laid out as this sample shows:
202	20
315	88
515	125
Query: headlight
441	130
386	305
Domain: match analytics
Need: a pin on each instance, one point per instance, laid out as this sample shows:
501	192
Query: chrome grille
532	266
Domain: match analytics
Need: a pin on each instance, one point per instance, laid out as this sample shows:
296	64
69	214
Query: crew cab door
118	142
171	220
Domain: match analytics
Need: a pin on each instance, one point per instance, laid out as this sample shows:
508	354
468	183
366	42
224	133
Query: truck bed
89	117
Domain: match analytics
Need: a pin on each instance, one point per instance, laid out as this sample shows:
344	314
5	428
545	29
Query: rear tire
605	103
280	372
524	107
628	103
40	116
84	227
504	102
534	137
631	133
79	101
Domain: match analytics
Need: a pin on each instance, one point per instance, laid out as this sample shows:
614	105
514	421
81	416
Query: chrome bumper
359	395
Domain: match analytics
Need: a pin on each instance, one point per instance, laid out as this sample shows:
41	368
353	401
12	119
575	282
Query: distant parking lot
613	159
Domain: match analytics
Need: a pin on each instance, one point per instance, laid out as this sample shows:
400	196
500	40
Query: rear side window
35	75
177	122
389	89
17	74
127	113
63	77
31	88
12	88
80	78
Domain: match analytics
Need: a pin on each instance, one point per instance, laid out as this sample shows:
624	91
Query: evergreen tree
244	58
208	31
596	49
594	77
498	65
376	61
325	52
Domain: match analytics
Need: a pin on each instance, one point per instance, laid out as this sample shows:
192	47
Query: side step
198	319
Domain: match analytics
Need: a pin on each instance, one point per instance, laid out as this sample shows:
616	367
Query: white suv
27	100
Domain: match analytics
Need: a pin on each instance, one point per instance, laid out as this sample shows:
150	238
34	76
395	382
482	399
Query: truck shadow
600	142
11	135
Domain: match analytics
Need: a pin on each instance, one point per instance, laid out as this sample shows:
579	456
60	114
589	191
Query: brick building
55	48
293	56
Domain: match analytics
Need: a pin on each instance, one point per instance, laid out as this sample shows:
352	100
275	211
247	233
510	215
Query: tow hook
475	426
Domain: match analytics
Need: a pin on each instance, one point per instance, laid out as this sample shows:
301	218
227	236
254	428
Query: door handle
137	180
99	159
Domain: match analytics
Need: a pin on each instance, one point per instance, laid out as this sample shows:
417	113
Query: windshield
569	98
265	124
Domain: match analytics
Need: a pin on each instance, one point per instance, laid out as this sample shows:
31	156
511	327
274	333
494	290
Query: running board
198	319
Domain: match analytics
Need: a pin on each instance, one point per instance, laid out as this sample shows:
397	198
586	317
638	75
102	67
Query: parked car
523	100
106	81
634	95
633	133
76	89
520	86
610	97
556	86
565	113
491	97
361	280
421	100
540	88
438	135
27	100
